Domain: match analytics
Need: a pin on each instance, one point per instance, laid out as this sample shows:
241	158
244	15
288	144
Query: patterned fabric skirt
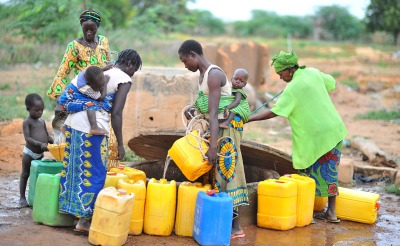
83	173
112	150
229	173
325	172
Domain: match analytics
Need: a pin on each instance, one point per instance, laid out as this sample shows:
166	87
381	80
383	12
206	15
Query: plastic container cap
210	192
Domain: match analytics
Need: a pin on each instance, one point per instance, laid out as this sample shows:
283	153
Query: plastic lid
122	192
210	192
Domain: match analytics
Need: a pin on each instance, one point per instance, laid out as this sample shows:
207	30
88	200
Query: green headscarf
284	60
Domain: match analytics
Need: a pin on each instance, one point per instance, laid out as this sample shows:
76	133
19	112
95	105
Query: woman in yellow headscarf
317	128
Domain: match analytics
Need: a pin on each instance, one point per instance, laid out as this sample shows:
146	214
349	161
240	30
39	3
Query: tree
48	20
337	23
384	15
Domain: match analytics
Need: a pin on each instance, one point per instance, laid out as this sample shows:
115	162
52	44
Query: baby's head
239	78
95	78
34	104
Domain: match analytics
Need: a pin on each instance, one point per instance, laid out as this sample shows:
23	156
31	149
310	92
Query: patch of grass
336	74
382	64
350	83
130	156
13	107
5	87
379	115
392	189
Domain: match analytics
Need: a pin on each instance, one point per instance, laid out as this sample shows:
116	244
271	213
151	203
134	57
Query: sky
234	10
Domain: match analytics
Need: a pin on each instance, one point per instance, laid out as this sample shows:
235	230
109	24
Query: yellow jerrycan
111	217
112	179
132	173
139	189
276	206
159	212
187	195
305	197
356	205
186	153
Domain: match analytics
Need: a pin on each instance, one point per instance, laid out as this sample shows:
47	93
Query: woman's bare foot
98	131
83	225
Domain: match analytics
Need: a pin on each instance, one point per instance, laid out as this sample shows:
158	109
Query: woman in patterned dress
85	159
317	128
214	93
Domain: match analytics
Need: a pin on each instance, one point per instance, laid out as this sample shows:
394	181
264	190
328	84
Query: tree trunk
395	37
376	156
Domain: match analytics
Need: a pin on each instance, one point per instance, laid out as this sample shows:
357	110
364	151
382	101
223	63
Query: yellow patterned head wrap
284	60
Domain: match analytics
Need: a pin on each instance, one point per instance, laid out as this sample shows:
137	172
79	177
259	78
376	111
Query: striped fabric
202	105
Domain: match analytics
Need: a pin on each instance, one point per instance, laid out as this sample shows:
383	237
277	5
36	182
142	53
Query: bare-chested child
36	140
239	80
93	83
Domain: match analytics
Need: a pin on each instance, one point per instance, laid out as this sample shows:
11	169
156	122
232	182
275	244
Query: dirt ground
17	228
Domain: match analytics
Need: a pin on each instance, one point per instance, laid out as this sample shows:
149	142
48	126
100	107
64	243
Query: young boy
36	138
239	80
93	83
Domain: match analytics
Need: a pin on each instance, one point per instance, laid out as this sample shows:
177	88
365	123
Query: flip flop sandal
239	235
81	232
322	216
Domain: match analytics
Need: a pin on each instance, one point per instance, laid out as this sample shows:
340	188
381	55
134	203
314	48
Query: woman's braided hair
90	14
129	57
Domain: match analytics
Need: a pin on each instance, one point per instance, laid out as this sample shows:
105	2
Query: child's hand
107	67
43	147
226	113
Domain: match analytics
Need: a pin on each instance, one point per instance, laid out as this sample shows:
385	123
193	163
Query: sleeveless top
226	90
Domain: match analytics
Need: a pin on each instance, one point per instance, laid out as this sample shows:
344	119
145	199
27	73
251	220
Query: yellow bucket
57	150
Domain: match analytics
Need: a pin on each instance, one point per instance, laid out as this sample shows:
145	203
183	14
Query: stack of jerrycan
276	207
111	217
186	152
45	210
355	205
305	198
187	195
213	218
159	212
139	189
112	179
38	167
320	203
132	173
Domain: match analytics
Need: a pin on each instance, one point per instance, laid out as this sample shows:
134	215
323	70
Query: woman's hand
189	112
212	155
121	153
